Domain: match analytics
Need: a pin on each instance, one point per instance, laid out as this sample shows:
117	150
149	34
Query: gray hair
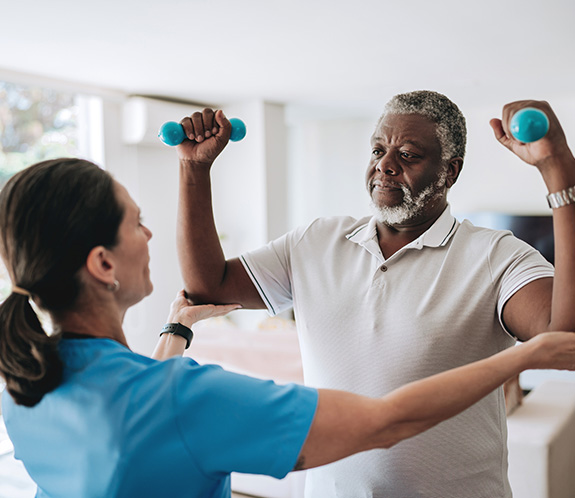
451	130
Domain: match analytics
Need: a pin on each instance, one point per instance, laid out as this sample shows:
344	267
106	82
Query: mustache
372	183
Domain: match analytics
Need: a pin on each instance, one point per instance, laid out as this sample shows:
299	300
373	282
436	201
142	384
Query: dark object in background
537	231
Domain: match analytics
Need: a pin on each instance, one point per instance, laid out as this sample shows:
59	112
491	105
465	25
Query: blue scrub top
122	424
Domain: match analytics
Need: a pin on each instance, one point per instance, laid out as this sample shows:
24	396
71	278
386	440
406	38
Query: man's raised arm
208	277
545	304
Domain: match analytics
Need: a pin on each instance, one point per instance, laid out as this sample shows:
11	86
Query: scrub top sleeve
513	264
235	423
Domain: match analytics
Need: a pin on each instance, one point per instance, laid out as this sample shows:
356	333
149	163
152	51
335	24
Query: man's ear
453	169
100	265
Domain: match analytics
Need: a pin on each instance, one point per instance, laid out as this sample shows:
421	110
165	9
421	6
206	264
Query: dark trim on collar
449	233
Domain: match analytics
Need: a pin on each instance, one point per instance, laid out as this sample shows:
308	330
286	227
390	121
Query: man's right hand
208	133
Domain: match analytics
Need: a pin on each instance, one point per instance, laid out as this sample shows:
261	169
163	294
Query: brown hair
51	215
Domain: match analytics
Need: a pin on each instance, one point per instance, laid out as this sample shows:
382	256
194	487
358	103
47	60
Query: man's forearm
562	308
544	305
202	260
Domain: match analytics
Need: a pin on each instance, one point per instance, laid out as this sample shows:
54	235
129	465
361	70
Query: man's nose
388	165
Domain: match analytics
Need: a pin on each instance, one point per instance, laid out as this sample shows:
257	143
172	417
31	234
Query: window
39	123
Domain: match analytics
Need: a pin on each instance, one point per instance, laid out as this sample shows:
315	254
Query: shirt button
383	268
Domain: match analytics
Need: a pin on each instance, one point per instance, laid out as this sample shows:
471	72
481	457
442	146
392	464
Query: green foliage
35	124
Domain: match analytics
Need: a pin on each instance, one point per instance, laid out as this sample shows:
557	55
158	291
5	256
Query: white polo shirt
369	325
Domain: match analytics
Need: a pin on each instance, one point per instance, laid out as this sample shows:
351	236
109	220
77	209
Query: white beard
410	207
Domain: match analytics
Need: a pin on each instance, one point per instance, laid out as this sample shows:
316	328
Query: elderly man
400	295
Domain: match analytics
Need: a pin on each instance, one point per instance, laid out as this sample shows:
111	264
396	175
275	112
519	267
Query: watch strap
178	329
561	198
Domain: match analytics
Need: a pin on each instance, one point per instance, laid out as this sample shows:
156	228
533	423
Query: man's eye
376	152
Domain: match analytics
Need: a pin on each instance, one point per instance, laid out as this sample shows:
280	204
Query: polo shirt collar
441	231
437	235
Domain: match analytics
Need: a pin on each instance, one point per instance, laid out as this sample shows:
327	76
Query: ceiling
347	56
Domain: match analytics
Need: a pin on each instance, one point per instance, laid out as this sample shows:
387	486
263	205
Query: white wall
249	200
493	179
328	159
329	156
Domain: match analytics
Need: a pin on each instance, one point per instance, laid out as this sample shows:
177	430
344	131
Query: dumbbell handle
172	133
529	125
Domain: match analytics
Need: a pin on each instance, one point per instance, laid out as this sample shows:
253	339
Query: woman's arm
183	311
347	423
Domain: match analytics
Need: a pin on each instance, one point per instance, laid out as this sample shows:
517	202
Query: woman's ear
100	265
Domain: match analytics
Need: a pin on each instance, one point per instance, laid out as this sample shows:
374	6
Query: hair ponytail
29	360
52	214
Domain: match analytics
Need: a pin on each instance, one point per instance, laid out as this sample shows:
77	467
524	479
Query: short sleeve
235	423
514	264
270	270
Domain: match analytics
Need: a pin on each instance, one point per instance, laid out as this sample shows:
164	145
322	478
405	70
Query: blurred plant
35	124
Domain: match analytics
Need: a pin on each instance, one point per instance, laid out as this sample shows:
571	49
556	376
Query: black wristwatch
178	329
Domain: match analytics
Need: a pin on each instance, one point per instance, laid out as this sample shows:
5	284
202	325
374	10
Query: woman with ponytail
90	418
45	239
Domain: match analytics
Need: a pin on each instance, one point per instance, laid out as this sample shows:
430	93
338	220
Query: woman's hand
552	350
183	311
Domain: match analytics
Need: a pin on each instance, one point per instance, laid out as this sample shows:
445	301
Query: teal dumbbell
172	133
529	125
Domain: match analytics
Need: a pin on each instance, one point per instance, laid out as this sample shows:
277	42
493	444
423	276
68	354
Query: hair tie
21	291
